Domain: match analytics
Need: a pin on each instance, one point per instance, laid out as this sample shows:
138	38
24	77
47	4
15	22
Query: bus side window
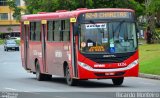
38	31
62	29
32	31
57	30
66	28
35	31
51	27
22	31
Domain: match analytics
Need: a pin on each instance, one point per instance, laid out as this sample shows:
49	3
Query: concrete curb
150	76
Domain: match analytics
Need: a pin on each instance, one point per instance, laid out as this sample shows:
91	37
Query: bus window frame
69	30
30	34
82	20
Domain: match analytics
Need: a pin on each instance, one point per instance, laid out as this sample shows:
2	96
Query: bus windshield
109	37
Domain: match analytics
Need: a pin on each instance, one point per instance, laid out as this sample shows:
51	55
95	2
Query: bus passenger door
74	38
26	46
43	41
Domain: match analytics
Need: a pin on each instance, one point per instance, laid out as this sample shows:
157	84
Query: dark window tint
35	31
51	27
66	30
32	31
3	16
58	30
3	2
22	31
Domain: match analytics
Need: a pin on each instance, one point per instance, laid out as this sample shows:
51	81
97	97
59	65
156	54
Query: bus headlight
85	66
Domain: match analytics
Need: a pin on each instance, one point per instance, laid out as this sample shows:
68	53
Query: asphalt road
13	78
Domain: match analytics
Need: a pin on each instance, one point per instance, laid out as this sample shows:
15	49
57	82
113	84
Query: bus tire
70	81
118	81
17	49
39	75
47	77
6	49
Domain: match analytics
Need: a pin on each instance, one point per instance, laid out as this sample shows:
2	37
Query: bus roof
68	14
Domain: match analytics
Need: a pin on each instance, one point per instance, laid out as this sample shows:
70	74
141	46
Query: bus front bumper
87	72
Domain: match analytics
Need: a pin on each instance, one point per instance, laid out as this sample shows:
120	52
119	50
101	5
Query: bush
157	35
1	41
18	42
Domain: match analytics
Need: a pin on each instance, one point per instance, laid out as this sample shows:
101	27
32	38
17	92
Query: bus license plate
109	74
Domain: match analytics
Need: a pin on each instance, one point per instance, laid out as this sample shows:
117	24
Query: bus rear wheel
40	76
118	81
70	81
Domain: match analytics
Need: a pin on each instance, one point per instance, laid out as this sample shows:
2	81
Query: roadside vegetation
1	41
18	42
150	58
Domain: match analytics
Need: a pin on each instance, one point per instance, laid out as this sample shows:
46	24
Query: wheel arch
65	64
35	61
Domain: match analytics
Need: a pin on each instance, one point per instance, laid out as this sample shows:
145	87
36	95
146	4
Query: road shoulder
150	76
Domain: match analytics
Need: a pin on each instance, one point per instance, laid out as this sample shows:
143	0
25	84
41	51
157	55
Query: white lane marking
12	89
31	92
60	97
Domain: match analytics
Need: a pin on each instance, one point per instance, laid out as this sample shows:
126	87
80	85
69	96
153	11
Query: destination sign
107	15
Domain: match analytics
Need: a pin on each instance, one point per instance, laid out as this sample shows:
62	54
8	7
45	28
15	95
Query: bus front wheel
70	81
118	81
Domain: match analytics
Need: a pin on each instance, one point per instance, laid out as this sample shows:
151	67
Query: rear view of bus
107	45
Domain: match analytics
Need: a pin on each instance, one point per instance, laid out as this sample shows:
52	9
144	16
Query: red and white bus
81	44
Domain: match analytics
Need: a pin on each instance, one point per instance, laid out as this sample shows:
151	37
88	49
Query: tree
152	8
34	6
17	10
132	4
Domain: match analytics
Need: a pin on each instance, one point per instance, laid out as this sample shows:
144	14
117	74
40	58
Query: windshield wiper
118	27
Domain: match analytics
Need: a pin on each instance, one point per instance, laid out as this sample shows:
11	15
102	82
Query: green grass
1	41
150	58
18	42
